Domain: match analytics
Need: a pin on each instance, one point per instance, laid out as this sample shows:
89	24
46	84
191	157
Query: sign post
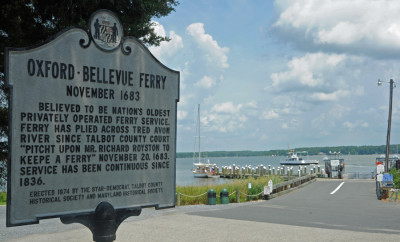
92	126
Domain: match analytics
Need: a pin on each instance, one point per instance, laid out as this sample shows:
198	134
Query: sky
278	74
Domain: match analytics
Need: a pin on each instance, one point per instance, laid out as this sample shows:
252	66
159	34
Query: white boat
202	169
294	159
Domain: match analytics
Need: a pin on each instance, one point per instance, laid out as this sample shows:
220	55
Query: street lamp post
389	123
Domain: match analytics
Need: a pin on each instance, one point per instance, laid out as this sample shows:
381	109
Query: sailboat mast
198	125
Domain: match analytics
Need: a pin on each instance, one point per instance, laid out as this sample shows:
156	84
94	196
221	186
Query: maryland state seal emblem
106	30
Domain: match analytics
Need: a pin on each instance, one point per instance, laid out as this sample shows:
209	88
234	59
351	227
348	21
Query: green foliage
396	177
257	186
28	22
3	198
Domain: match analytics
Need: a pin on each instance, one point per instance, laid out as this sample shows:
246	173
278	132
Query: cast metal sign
92	119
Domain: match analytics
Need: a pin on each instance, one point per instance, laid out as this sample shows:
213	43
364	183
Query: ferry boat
295	160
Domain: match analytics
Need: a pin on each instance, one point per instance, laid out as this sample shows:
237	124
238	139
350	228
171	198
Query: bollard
211	197
271	186
104	222
267	192
248	191
237	195
178	199
224	195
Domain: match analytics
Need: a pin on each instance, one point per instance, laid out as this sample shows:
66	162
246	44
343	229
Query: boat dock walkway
238	172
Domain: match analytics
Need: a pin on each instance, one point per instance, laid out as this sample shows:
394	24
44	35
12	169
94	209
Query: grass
189	194
392	196
257	186
3	198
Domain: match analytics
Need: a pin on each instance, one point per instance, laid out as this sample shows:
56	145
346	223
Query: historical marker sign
92	119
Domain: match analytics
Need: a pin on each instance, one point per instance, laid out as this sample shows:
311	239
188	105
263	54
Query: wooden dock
238	172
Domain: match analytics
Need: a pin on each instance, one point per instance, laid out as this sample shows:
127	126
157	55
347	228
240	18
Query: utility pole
389	126
389	123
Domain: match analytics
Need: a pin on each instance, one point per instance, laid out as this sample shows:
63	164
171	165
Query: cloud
226	107
227	117
293	124
205	82
314	77
355	124
329	119
213	52
333	96
308	70
182	114
358	26
271	114
166	49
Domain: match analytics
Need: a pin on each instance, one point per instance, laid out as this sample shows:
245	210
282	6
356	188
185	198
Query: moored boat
294	159
202	169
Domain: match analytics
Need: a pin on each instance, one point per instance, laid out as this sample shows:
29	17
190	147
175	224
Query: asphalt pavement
352	213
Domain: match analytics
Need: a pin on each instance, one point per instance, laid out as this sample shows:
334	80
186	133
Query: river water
356	166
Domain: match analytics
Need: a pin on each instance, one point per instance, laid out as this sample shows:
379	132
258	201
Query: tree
28	22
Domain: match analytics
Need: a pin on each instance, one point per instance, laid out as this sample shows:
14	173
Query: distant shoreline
344	150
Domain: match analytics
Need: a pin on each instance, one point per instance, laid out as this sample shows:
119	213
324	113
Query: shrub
396	177
3	198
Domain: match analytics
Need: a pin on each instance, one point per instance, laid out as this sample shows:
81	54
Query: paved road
353	207
311	214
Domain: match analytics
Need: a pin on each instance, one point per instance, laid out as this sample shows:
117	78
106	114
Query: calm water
355	164
363	164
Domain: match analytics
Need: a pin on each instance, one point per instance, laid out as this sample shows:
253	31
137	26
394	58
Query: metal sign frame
72	101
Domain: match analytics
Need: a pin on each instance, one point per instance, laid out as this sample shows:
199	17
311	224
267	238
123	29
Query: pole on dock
389	127
389	123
